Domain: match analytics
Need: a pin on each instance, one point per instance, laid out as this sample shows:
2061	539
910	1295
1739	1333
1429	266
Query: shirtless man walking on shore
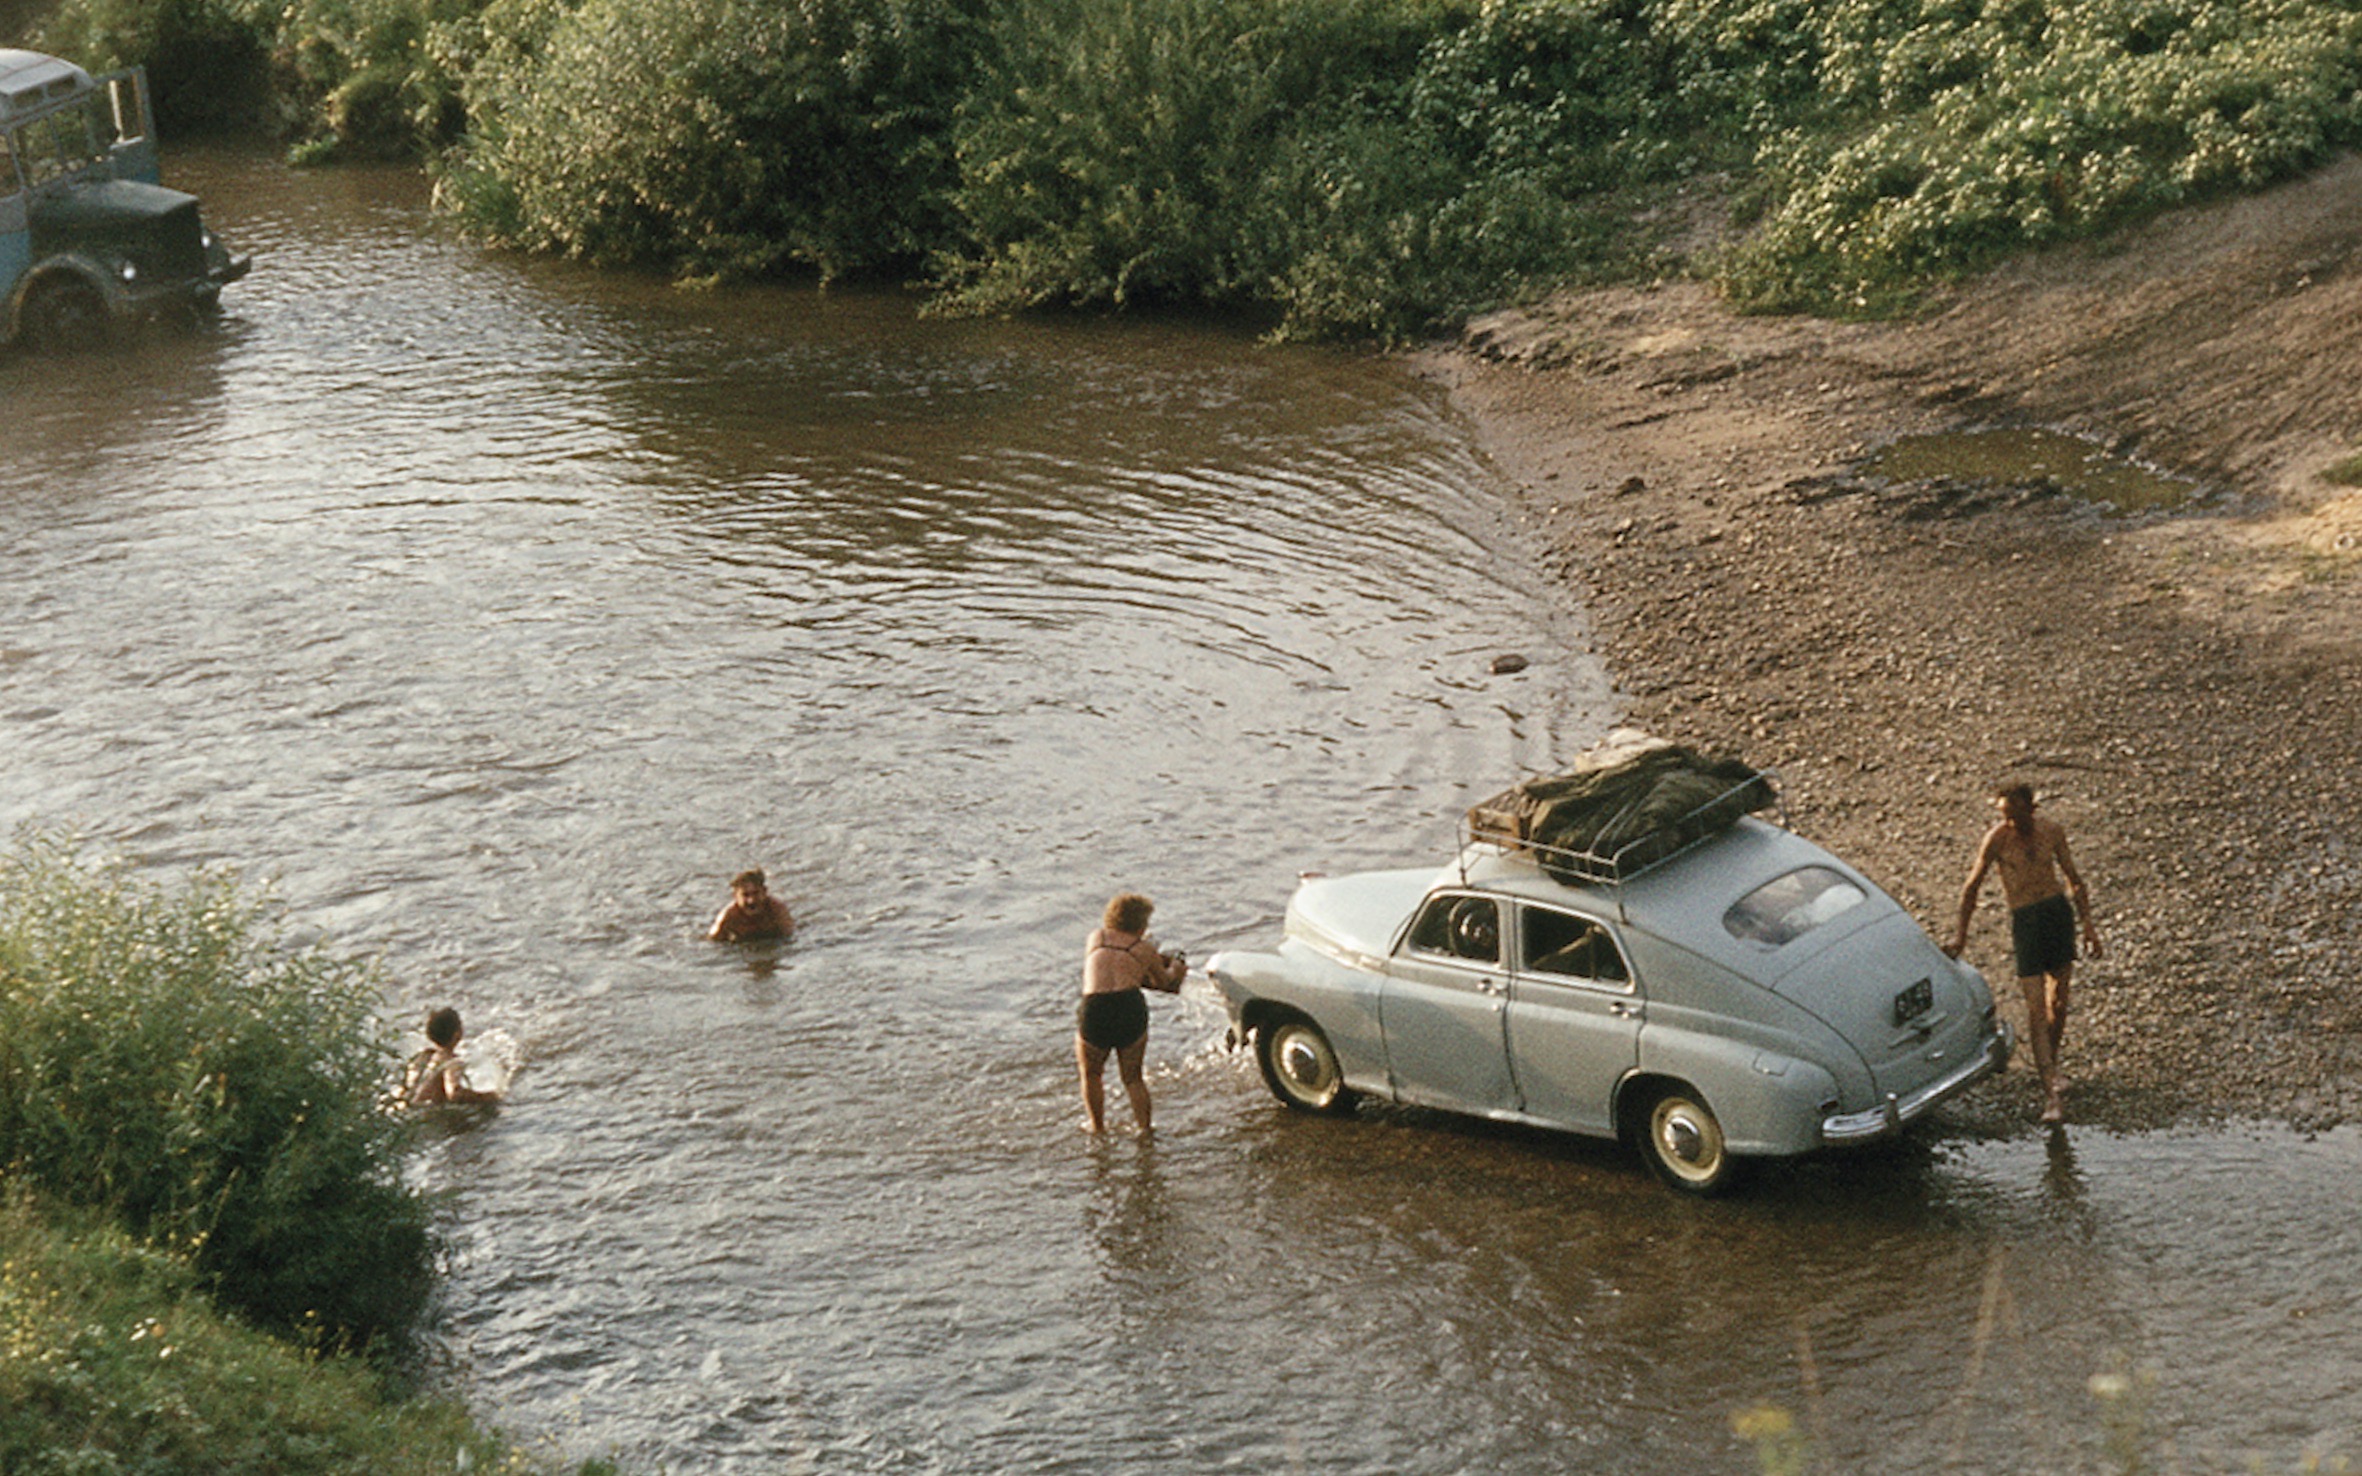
2031	852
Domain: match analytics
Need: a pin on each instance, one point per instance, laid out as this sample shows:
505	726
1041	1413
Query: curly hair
1127	912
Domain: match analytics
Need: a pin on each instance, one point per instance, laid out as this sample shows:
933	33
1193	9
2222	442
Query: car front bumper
1852	1129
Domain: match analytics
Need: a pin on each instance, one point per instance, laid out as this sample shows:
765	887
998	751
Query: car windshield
1788	907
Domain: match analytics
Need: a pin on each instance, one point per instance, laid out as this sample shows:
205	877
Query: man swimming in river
752	913
2031	852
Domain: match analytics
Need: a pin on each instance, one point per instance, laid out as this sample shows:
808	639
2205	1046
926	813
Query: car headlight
128	272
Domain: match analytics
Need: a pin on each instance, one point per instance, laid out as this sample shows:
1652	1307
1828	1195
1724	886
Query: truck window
57	146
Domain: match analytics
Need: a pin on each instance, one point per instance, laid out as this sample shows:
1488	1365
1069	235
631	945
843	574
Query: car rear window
1786	908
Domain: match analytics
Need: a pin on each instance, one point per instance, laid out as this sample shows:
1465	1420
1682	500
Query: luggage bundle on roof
1630	803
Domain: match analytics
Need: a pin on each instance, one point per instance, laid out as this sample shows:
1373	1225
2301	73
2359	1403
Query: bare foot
2054	1110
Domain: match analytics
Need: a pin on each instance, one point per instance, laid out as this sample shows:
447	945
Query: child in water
436	1076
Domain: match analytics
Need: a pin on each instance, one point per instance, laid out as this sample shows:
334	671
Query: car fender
81	266
1260	988
1770	1102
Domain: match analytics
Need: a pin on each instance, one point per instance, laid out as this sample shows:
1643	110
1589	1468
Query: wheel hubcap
1301	1064
1683	1140
1688	1141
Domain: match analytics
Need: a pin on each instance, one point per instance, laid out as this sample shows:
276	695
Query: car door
1574	1018
1443	1006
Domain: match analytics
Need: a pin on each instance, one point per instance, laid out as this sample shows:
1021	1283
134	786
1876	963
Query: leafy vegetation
1350	166
167	1063
1969	131
113	1360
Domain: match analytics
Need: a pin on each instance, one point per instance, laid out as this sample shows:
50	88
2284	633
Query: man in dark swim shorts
2031	852
2043	936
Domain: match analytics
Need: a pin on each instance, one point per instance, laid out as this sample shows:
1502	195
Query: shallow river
495	613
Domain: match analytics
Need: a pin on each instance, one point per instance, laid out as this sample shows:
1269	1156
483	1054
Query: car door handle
1624	1010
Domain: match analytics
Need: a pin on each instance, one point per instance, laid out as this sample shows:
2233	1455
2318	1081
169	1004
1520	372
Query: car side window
1571	947
1461	927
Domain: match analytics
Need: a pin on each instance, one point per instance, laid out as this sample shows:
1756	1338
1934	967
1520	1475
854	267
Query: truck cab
91	242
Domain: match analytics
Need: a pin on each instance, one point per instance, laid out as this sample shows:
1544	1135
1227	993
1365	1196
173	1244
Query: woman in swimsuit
1118	962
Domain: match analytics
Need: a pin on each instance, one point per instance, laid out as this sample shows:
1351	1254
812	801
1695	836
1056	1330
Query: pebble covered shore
2182	686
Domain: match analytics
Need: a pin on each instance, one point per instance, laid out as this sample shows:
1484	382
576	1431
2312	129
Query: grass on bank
1347	167
112	1359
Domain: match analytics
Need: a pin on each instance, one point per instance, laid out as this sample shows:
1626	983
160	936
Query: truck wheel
65	316
1683	1140
1300	1067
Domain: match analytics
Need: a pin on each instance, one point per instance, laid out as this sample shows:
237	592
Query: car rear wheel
1683	1140
65	316
1301	1068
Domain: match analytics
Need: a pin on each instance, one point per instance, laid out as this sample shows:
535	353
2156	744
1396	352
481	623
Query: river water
494	612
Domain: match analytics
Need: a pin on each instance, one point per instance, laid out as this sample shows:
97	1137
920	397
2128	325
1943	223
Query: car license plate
1915	1001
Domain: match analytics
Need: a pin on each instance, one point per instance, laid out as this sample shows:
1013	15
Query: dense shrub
208	62
716	136
373	77
1993	128
1111	150
1368	167
164	1060
1355	166
111	1360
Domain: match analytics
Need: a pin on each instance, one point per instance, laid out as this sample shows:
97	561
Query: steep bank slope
2185	690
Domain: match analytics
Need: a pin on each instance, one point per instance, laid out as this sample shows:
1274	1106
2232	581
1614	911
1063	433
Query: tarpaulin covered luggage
1622	807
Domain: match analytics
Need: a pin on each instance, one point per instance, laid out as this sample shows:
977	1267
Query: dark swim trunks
1112	1020
2044	935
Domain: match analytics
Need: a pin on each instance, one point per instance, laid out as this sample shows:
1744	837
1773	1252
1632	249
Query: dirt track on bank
2183	689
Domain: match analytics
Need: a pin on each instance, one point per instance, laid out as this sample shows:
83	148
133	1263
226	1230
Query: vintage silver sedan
1752	997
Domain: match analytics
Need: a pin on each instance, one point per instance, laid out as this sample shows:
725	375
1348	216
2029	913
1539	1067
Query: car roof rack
1502	827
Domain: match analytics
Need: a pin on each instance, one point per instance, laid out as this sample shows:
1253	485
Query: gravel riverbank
2183	687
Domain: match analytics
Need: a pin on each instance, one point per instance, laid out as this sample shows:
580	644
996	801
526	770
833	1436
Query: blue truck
91	242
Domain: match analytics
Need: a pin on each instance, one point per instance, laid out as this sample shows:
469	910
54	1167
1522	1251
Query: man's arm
723	930
1968	892
2078	894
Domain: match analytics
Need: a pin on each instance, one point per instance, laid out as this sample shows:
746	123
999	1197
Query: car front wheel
1683	1140
1301	1068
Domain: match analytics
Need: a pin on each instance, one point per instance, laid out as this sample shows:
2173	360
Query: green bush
1110	149
1364	168
373	78
111	1360
1352	166
208	63
1992	129
165	1060
719	137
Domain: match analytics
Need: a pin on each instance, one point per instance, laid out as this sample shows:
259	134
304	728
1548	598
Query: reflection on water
499	612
